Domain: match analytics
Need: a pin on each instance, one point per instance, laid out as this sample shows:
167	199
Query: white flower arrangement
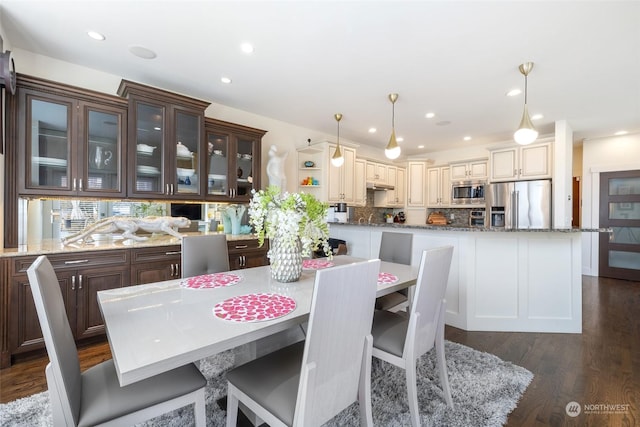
291	218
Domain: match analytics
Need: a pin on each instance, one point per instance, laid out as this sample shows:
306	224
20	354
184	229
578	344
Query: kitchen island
500	280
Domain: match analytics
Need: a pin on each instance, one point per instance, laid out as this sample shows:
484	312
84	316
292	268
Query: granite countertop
472	229
50	246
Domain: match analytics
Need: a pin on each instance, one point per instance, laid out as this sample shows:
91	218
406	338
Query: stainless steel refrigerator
519	204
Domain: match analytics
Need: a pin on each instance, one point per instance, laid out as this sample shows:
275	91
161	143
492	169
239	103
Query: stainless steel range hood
379	187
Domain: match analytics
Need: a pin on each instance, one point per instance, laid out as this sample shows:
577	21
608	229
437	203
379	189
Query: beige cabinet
360	189
341	179
438	187
416	181
470	170
395	198
522	162
376	173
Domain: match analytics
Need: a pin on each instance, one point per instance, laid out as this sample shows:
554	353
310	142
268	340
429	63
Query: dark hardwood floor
599	367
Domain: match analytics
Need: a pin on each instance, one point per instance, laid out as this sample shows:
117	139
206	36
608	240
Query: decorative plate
254	307
210	281
316	264
385	278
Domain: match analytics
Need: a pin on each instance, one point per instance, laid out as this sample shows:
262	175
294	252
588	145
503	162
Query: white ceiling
316	58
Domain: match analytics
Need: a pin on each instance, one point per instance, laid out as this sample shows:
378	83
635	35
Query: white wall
611	154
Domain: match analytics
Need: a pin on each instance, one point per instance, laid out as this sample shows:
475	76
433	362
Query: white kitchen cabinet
438	187
416	184
376	173
311	165
360	189
471	170
341	179
522	162
395	198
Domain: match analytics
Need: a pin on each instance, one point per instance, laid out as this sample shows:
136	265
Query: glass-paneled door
188	129
620	210
102	131
48	152
149	149
218	152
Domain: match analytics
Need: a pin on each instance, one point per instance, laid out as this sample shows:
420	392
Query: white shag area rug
485	389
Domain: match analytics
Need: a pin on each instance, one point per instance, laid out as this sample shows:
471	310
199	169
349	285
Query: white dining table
156	327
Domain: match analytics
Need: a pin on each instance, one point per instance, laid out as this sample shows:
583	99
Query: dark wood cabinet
233	161
80	275
155	264
247	253
70	143
166	141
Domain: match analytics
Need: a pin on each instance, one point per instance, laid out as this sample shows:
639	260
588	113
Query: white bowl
145	149
183	173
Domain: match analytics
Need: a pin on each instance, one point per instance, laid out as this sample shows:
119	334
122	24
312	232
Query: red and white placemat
386	278
211	281
316	264
254	307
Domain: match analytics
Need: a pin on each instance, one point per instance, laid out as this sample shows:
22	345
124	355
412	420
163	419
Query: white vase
286	261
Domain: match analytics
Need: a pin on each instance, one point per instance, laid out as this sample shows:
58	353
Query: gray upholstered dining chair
395	247
308	383
204	254
401	341
94	397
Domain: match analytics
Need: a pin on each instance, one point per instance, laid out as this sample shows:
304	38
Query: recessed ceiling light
514	92
399	139
225	80
142	52
246	47
621	132
373	130
467	138
430	115
96	35
420	146
537	117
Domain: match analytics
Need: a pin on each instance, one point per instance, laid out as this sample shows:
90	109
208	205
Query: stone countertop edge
54	246
472	229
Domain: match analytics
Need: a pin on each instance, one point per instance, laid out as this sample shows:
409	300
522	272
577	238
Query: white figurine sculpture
275	168
129	225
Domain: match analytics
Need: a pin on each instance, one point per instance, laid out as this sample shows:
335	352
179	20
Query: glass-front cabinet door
71	147
246	149
49	132
103	132
233	161
217	164
188	128
146	142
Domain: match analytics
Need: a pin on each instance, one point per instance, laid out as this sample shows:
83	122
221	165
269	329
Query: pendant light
393	149
526	133
337	159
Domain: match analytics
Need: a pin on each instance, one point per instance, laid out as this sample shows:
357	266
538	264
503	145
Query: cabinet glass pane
624	186
103	133
245	166
50	139
187	151
217	164
149	149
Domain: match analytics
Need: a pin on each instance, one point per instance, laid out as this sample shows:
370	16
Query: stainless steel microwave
467	192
